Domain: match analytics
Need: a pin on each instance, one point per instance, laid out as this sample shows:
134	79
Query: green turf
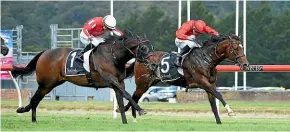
48	120
237	106
77	122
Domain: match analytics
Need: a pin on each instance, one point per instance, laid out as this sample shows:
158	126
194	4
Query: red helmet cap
199	26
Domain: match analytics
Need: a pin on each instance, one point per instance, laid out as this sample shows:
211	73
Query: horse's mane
127	35
216	40
114	41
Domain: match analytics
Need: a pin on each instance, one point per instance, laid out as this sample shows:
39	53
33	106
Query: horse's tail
17	71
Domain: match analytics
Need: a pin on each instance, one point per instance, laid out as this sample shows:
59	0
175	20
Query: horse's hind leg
212	101
37	97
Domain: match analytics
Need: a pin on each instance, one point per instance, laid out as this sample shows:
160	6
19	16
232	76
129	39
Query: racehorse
4	48
199	68
107	66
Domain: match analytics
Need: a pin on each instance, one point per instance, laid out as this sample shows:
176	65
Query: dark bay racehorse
199	68
4	48
109	70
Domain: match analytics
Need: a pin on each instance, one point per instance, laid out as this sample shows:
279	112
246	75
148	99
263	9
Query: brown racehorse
4	48
109	70
196	72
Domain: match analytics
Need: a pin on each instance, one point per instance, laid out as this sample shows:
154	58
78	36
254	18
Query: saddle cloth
77	68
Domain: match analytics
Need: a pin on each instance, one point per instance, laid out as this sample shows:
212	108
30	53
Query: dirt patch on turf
191	114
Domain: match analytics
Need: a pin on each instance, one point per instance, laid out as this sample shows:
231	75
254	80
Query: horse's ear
138	37
230	37
145	36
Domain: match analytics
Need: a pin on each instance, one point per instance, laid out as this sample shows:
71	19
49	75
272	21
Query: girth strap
90	80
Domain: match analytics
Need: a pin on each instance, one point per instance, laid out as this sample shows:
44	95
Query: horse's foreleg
132	101
212	101
113	82
136	96
226	105
120	101
211	88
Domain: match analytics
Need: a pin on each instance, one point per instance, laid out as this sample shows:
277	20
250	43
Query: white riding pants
95	41
182	43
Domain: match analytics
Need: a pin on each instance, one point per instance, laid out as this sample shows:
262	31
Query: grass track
237	106
47	122
74	121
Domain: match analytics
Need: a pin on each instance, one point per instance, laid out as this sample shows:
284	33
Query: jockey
186	35
93	31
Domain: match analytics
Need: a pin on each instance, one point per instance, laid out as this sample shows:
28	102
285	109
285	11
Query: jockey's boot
87	48
179	56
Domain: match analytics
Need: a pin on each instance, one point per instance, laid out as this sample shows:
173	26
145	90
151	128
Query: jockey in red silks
93	31
186	35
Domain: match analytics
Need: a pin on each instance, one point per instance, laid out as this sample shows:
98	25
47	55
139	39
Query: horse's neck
212	53
120	52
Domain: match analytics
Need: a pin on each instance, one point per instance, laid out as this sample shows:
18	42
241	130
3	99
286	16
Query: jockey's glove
191	38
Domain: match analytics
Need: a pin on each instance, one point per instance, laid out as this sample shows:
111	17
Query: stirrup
178	60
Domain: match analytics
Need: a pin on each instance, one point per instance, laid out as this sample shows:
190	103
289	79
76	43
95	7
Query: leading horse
199	69
107	66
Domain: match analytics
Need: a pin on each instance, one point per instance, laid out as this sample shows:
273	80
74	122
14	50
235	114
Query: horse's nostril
246	65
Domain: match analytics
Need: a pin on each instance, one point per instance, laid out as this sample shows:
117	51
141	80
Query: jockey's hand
191	38
215	38
91	37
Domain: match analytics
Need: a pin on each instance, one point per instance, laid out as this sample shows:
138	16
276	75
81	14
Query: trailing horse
198	69
4	48
106	68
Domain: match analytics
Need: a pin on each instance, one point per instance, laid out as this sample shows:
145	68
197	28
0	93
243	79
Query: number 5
163	62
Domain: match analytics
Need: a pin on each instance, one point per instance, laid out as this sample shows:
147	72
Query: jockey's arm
181	32
116	32
211	31
88	28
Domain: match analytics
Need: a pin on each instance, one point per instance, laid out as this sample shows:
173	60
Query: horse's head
230	47
136	43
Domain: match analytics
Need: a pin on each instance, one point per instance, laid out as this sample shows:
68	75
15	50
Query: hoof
125	122
20	110
117	110
135	120
34	120
231	114
219	123
142	112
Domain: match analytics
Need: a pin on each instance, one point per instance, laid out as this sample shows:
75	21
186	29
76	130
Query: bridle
138	41
232	51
